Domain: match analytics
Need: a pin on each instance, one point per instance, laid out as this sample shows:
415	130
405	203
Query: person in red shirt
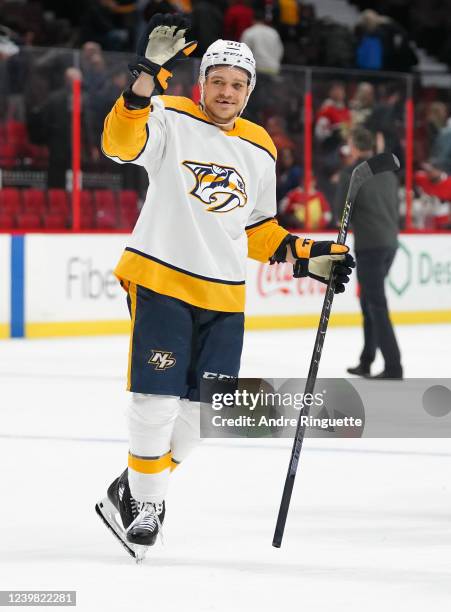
237	18
434	182
333	118
310	211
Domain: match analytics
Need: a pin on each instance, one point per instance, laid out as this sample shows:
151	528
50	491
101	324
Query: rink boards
63	284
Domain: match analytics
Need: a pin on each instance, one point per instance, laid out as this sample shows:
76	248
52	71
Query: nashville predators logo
219	187
162	360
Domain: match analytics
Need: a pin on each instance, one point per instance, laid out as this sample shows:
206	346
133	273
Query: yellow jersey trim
125	132
264	239
161	277
244	129
132	291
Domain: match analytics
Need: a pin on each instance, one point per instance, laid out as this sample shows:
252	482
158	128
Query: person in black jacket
375	222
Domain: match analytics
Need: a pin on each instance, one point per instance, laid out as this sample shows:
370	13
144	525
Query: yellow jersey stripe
132	293
154	274
125	132
263	239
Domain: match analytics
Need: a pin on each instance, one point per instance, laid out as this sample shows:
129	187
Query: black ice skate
135	524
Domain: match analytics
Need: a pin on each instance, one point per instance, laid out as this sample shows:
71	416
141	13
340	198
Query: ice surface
369	527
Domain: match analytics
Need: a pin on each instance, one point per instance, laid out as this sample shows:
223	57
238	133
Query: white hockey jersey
211	201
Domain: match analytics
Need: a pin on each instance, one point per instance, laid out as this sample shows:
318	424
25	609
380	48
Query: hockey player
210	204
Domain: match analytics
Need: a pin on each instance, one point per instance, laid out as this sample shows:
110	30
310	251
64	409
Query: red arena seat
28	220
128	219
128	199
58	201
7	219
106	212
128	208
86	210
10	200
16	134
8	155
34	201
56	220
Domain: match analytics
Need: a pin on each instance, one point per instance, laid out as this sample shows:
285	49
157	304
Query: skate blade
110	517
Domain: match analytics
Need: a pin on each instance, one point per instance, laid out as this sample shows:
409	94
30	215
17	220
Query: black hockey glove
162	44
315	259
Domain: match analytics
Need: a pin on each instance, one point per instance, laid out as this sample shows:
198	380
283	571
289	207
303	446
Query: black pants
373	266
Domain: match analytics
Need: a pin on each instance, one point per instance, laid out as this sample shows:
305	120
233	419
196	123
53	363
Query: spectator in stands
289	173
289	18
386	122
433	181
93	67
52	126
157	6
264	42
207	24
362	104
115	83
146	9
335	43
375	222
15	71
271	10
237	18
98	25
266	45
276	128
332	127
383	44
441	149
308	211
333	118
436	118
370	34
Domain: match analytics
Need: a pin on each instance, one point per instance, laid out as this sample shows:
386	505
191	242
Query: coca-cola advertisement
272	291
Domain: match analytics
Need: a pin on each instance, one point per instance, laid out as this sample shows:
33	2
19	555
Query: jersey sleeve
264	234
136	136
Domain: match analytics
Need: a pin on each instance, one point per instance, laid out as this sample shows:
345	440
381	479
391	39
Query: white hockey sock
186	432
151	421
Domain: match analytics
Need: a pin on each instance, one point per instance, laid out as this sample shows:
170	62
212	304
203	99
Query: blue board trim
17	286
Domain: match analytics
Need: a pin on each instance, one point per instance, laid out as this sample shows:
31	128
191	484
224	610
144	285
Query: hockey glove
315	259
160	46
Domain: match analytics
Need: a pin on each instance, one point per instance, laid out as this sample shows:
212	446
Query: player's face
225	92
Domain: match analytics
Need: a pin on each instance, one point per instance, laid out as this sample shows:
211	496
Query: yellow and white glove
161	45
315	259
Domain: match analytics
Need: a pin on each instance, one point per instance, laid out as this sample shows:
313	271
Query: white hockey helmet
228	53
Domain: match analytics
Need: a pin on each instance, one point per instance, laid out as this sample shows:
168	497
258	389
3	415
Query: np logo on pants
162	360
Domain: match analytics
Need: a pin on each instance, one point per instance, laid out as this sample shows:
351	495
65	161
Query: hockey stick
385	162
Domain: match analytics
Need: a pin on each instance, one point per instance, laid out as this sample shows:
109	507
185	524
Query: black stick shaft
313	371
385	162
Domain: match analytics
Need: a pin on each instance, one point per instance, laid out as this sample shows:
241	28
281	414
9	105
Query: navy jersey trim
258	147
167	265
176	110
180	112
248	227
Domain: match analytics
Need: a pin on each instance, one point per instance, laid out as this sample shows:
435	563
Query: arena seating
128	208
105	209
10	200
34	209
